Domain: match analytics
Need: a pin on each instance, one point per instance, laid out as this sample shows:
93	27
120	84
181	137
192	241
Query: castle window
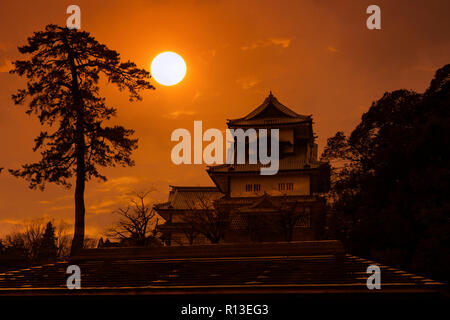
253	187
285	186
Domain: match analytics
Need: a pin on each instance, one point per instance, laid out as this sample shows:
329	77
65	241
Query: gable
271	109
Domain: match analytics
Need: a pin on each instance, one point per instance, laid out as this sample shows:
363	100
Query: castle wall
269	184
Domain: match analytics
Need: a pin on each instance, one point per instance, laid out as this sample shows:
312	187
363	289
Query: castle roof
188	198
271	111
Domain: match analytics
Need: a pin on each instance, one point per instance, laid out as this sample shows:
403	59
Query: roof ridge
193	187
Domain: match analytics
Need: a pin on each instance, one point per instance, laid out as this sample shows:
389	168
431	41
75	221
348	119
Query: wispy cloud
11	221
104	206
178	113
248	82
126	185
282	42
60	208
332	49
119	184
54	200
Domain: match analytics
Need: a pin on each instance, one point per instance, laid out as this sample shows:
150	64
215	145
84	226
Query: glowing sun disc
168	68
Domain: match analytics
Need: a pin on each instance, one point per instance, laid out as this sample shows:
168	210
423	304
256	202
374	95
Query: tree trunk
78	237
80	151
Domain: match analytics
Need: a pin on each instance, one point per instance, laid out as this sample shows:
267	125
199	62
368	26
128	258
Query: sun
168	68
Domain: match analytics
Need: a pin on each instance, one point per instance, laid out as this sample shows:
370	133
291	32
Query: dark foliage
63	69
390	182
48	249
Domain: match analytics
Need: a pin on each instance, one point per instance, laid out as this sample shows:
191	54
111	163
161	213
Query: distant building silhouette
259	206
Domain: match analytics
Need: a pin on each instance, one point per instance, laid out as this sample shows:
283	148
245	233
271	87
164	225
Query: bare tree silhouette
63	239
32	236
29	237
138	222
205	218
63	70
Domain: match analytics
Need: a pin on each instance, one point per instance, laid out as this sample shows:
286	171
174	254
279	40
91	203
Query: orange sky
317	57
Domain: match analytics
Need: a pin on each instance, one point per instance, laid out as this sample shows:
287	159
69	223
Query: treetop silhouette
63	69
390	184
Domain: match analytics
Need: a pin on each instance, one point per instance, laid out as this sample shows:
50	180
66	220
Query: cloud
127	185
177	113
60	208
248	82
332	49
282	42
104	206
53	200
12	221
119	184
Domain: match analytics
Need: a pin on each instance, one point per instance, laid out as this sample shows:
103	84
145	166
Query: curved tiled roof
187	198
278	114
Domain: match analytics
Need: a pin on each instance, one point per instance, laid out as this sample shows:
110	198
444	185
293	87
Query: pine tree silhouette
48	249
63	69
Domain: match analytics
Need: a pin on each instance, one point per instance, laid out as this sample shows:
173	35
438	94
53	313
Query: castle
247	206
